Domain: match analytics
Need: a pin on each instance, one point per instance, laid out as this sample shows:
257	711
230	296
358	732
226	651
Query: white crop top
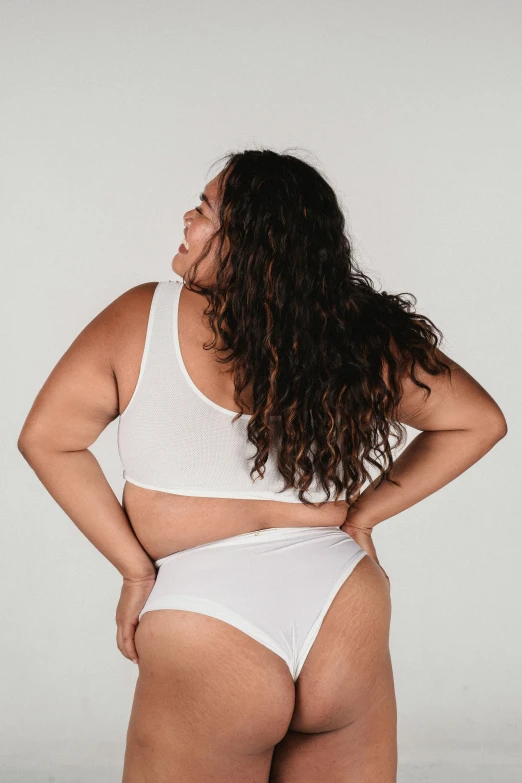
173	438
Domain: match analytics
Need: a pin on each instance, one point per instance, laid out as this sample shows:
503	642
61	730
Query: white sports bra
173	438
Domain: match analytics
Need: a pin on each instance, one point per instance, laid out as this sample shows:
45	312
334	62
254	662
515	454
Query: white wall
112	115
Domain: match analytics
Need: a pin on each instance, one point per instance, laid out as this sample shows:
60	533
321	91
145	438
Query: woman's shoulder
127	309
124	321
141	294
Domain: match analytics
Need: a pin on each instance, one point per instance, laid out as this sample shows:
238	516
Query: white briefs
274	584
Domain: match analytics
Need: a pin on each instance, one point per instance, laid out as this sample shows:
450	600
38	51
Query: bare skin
211	703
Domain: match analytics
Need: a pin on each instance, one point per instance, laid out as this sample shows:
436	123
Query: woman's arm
78	400
460	423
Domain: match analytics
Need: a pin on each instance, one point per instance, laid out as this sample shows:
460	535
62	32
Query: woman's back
182	391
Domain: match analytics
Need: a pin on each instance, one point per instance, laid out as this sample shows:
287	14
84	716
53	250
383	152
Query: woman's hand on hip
362	535
134	594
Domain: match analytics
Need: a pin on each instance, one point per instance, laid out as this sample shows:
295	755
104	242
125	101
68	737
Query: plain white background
112	114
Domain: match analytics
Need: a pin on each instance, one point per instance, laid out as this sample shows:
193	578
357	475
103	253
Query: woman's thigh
344	724
210	702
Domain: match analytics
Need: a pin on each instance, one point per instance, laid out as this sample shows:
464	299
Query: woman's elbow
34	436
495	423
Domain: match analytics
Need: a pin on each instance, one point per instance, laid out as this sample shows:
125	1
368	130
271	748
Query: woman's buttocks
165	523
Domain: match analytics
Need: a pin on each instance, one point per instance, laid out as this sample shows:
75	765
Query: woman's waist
166	524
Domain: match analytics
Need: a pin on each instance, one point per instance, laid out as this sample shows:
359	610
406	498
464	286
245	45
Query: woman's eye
198	210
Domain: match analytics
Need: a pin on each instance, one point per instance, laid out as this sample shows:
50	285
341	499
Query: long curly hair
307	328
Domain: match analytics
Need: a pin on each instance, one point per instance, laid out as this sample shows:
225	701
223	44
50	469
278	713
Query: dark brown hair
307	328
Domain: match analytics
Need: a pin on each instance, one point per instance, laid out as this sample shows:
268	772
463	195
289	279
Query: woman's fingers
363	537
125	641
132	600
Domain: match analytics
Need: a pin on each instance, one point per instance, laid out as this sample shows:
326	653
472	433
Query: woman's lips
182	248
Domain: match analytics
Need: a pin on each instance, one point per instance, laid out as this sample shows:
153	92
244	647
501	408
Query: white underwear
275	584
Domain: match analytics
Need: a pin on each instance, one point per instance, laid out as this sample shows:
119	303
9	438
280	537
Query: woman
275	665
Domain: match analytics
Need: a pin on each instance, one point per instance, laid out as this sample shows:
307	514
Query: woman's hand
362	535
134	594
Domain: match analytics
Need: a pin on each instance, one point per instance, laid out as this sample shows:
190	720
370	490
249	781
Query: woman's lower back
166	523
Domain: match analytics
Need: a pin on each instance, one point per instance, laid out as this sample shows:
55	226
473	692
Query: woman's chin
179	267
177	264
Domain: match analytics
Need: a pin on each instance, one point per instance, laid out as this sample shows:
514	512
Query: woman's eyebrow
203	197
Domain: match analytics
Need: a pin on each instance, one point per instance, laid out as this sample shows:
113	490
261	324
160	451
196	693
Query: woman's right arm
76	403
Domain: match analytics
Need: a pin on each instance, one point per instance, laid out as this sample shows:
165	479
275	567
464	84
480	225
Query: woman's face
200	223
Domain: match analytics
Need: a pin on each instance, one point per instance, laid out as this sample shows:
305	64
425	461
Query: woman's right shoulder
122	324
127	316
131	302
128	309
